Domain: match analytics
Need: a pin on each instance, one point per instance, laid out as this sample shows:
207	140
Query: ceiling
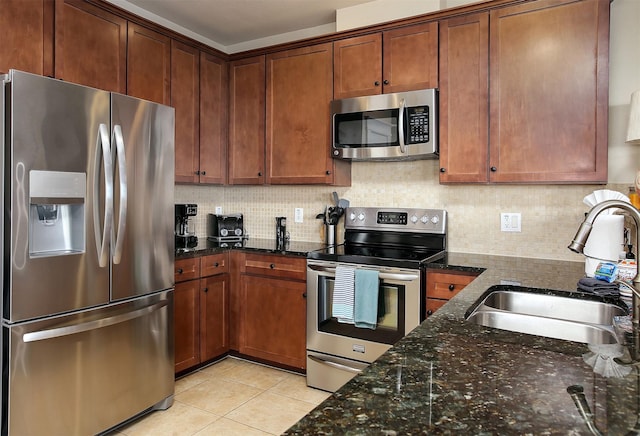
228	23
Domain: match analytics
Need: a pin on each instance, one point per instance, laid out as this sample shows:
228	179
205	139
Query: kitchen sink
527	310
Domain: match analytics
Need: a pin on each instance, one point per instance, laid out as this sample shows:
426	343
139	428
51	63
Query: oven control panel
397	219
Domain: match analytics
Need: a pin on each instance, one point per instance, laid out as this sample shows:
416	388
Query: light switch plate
298	215
218	210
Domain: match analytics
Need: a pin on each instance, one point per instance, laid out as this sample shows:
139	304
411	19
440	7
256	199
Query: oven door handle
383	276
334	364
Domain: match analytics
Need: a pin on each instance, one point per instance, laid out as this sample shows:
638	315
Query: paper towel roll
605	241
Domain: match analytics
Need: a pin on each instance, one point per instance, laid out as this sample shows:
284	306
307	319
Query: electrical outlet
298	215
510	222
218	210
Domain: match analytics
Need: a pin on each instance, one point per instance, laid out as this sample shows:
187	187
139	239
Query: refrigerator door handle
122	173
103	149
92	325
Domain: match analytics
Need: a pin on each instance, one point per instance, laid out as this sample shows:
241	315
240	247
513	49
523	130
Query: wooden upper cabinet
397	60
213	119
299	93
27	36
185	98
246	121
357	66
148	65
464	99
549	91
527	100
90	46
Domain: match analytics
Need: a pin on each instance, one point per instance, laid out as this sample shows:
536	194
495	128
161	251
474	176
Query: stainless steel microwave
399	126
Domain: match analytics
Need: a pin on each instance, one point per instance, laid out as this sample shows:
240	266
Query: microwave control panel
418	124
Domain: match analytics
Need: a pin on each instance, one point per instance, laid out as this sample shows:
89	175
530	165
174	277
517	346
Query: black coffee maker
185	238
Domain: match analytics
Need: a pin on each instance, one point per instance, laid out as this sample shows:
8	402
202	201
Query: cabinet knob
206	289
328	173
429	312
443	170
386	82
494	169
204	173
180	271
216	264
451	287
272	266
197	173
304	295
259	173
376	83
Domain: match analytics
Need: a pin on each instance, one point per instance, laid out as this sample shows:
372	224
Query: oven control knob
435	219
424	219
361	216
414	219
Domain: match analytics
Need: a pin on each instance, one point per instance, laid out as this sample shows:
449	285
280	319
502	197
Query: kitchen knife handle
122	172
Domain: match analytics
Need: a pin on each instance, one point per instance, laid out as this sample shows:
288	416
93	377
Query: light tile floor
231	397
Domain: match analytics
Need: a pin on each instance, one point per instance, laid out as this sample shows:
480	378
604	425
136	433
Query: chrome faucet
584	230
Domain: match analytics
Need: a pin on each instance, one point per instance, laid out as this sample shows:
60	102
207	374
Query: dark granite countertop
449	376
291	248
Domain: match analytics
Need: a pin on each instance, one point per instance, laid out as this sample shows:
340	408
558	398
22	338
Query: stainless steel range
365	295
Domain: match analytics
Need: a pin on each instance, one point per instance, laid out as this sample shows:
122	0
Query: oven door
399	291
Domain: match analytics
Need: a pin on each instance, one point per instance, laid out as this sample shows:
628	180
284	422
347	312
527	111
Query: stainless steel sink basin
553	316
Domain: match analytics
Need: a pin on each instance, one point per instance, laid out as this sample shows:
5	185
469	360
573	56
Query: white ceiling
226	24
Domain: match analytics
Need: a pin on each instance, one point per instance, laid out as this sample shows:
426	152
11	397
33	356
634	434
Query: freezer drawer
84	373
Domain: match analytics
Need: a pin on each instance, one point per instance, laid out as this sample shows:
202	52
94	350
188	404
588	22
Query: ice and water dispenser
56	213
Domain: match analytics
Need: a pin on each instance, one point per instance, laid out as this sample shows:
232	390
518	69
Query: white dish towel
343	295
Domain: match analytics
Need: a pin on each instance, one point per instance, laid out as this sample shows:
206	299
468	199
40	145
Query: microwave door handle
403	145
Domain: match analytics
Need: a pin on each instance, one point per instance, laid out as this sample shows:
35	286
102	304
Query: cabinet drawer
187	269
446	285
214	264
433	305
275	266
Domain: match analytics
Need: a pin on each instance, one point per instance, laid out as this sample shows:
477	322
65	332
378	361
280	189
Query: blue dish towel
343	295
367	284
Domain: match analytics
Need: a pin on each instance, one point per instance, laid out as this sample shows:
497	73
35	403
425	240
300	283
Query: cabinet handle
429	312
328	173
259	173
180	270
204	173
494	169
216	264
376	83
386	82
451	287
304	295
443	170
197	173
272	266
206	289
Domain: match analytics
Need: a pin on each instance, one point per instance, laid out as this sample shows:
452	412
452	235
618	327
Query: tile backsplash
550	213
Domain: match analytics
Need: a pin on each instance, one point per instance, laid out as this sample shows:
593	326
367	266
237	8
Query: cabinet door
27	36
464	99
90	46
186	317
148	65
214	319
410	58
299	93
213	119
273	317
357	66
185	95
549	91
246	121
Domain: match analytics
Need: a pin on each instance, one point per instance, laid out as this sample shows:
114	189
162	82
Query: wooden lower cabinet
442	286
271	308
201	308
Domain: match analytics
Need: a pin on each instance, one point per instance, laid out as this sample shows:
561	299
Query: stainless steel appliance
399	126
395	243
226	228
87	304
185	236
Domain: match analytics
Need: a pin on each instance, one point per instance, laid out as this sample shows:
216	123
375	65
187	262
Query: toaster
225	226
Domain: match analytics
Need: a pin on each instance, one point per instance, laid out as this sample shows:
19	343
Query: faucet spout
580	239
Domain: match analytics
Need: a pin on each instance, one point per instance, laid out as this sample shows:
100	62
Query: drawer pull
429	312
180	271
451	287
272	266
206	289
216	265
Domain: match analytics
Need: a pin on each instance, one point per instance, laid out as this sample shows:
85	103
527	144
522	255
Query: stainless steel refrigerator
87	302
